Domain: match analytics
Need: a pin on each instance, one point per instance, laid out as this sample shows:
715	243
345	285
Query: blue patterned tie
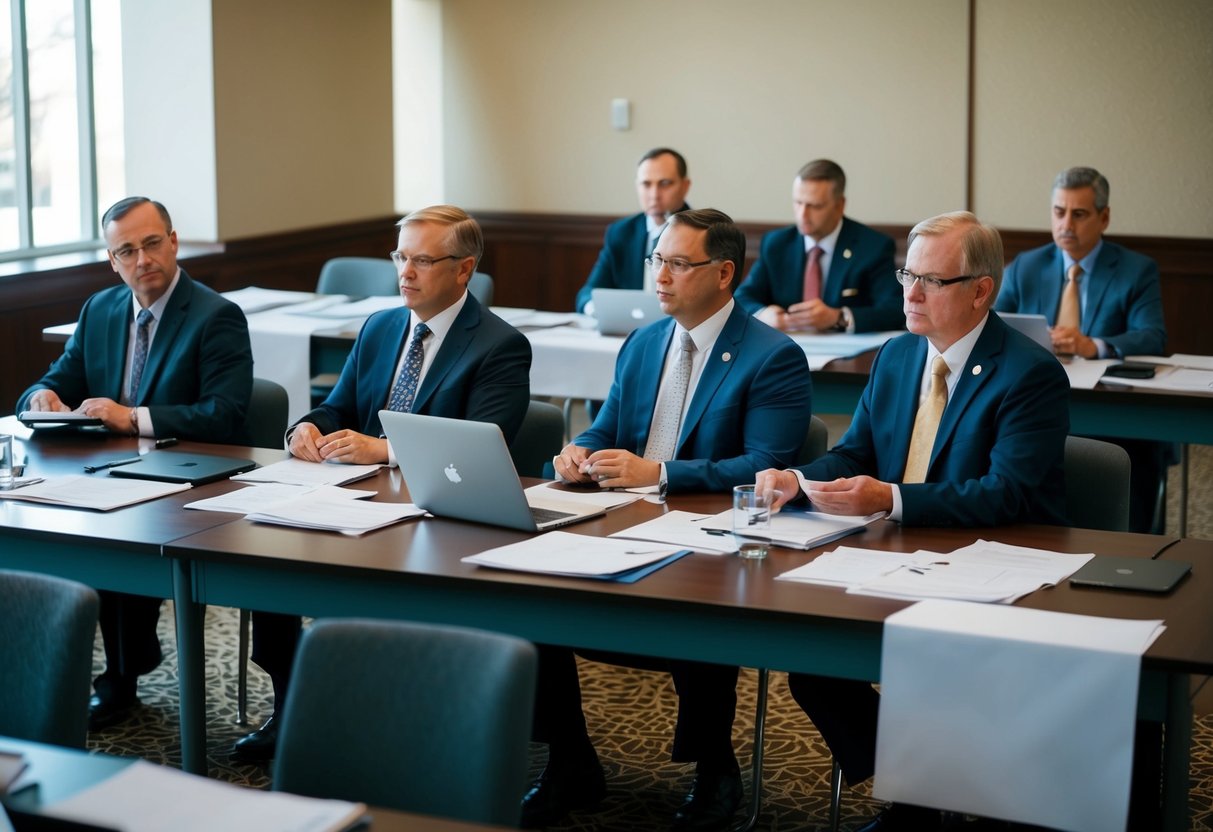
406	385
143	323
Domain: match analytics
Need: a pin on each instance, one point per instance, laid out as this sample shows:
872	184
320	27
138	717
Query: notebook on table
462	469
177	466
620	311
1138	574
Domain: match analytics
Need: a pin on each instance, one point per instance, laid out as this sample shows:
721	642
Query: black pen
167	442
92	469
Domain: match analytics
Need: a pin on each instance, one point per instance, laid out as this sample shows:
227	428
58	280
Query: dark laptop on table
462	469
176	466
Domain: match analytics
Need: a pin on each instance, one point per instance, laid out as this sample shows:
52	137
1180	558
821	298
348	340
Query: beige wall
303	113
1132	96
750	91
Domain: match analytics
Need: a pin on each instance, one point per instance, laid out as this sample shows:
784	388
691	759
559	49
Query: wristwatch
844	320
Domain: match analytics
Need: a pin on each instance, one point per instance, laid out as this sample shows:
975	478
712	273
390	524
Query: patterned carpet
631	714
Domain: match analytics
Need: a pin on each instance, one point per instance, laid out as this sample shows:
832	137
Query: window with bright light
61	153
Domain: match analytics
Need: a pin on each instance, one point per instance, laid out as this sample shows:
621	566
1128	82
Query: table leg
191	668
1177	742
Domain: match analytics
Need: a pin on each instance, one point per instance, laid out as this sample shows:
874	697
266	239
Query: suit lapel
382	373
905	410
1050	287
116	332
1098	283
461	333
715	370
175	314
647	384
840	265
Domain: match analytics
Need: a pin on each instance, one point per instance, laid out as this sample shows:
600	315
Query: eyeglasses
421	262
676	266
129	254
929	284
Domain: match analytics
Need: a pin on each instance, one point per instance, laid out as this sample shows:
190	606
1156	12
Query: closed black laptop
177	466
1138	574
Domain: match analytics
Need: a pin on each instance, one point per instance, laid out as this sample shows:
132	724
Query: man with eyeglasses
441	354
826	272
661	187
1102	301
701	401
963	423
157	356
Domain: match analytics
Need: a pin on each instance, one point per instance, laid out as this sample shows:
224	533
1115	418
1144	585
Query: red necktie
812	274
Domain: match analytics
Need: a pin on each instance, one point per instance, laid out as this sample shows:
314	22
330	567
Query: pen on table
166	442
92	469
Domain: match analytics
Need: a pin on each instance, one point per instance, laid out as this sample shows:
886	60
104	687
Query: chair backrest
47	626
816	442
358	276
481	287
1097	484
268	406
411	717
539	439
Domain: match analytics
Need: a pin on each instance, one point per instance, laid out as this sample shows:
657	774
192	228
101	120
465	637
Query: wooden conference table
707	608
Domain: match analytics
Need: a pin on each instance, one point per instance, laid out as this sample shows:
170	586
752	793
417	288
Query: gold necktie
926	423
1068	314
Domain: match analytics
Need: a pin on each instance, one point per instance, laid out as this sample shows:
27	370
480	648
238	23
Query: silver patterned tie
406	385
139	360
667	415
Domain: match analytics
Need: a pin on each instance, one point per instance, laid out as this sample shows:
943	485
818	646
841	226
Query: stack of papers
97	493
258	497
251	299
579	556
984	571
144	797
322	511
797	529
1181	379
682	529
301	472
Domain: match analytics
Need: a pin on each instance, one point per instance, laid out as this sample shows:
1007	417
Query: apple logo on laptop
638	314
451	473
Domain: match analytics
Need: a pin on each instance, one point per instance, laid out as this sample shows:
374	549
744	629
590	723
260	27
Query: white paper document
598	498
576	555
1085	373
251	299
324	512
347	310
261	496
799	529
144	797
1179	379
91	492
847	566
1196	362
684	530
296	471
1010	713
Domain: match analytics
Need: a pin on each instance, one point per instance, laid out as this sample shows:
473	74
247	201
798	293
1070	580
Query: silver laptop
462	469
619	311
1035	327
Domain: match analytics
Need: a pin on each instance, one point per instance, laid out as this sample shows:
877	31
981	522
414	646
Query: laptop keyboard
547	515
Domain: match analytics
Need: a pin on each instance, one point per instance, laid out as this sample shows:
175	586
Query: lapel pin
728	356
846	254
977	369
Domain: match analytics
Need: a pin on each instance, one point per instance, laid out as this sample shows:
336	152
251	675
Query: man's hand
567	464
812	314
351	448
775	316
777	486
114	416
47	400
614	468
852	495
1069	340
305	442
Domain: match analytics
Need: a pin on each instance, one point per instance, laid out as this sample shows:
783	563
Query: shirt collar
158	306
1087	263
706	333
958	354
441	323
828	243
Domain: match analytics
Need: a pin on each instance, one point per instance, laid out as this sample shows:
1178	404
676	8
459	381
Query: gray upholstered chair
1097	484
539	439
481	287
47	627
411	717
358	277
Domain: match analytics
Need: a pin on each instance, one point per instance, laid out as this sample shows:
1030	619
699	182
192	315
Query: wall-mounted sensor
621	114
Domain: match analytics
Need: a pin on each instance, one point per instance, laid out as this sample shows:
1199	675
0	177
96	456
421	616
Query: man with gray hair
1101	300
963	423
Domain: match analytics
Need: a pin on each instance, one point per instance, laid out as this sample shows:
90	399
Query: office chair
412	717
358	277
1097	484
539	439
265	426
481	287
47	627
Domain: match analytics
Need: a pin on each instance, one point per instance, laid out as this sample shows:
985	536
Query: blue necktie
143	323
406	385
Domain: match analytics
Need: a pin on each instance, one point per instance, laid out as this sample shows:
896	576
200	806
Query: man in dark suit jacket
1118	310
185	371
441	354
994	457
855	290
746	403
661	185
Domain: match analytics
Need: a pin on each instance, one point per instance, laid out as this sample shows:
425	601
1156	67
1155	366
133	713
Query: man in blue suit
963	423
160	355
441	354
1112	308
661	186
701	401
827	272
